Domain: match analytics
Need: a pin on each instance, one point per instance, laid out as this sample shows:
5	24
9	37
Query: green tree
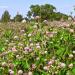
29	14
44	11
5	17
18	18
35	10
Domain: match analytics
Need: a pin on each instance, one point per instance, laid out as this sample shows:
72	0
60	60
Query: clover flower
38	46
14	49
33	66
73	52
31	44
46	68
4	64
11	72
45	21
71	30
30	73
70	55
62	65
51	62
35	26
70	65
16	37
20	72
37	17
6	41
45	52
17	56
29	35
28	49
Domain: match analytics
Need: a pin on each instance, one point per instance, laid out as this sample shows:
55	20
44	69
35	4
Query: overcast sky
22	6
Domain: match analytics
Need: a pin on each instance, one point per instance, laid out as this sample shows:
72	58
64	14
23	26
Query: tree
47	11
44	11
29	14
35	10
5	17
18	18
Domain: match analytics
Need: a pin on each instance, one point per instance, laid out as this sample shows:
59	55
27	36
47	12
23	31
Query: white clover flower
62	65
56	72
69	18
20	72
46	68
45	52
70	55
37	44
37	17
17	56
23	21
45	21
73	52
16	37
45	59
37	58
29	35
70	65
31	44
71	30
24	34
38	47
35	26
7	41
30	73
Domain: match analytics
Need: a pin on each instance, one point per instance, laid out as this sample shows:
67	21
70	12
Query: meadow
37	48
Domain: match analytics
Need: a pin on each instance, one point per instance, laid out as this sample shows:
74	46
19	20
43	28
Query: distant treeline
45	12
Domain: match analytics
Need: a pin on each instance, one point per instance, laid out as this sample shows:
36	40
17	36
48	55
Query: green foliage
18	18
5	17
46	12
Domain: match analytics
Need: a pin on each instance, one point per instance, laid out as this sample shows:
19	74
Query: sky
22	6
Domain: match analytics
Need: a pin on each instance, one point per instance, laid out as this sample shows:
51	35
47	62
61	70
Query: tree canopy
45	11
5	16
18	18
